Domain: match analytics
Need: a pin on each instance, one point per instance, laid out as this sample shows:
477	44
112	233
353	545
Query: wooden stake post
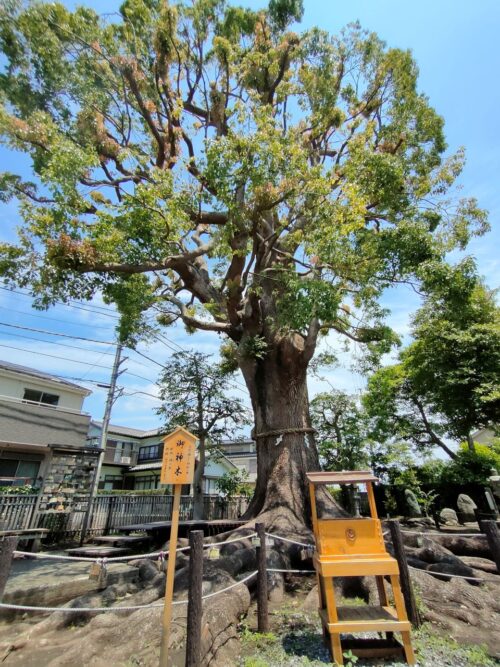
177	469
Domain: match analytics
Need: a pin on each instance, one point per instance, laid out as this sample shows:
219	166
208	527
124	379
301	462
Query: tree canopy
189	153
446	383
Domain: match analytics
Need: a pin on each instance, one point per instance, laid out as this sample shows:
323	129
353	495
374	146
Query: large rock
448	517
412	504
466	507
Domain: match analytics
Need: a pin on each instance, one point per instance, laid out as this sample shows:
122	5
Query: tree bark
286	448
198	507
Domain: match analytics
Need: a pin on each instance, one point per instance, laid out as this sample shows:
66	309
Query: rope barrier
116	559
273	569
285	539
85	559
284	431
455	576
419	532
63	610
209	545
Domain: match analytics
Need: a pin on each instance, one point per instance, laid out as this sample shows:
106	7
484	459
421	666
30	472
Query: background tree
455	360
341	431
246	179
447	381
196	395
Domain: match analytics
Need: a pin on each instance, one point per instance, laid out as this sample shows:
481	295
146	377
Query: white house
132	459
43	436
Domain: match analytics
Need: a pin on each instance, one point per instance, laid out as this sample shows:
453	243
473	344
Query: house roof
145	466
40	375
132	432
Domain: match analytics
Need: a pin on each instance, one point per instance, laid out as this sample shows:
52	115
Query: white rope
83	559
285	539
22	607
456	576
272	569
419	532
115	559
208	545
236	583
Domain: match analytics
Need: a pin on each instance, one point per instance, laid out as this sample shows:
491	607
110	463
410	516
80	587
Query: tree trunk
286	447
470	443
198	507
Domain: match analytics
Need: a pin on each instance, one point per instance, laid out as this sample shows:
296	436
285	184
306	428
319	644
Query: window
116	450
146	482
151	453
14	472
211	486
252	465
44	397
111	482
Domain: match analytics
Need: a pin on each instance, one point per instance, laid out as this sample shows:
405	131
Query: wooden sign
177	468
179	448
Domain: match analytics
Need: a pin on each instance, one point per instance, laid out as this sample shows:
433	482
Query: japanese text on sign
178	458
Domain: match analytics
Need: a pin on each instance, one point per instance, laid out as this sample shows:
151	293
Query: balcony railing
114	456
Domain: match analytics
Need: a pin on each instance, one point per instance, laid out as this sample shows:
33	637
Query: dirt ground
294	639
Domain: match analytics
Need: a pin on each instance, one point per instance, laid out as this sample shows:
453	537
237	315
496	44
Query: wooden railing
17	512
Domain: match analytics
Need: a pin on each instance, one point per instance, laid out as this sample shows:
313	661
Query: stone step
121	539
98	551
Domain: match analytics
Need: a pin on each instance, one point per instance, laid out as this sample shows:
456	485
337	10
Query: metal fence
111	511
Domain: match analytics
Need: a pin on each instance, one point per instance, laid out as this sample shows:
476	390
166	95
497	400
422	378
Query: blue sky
455	44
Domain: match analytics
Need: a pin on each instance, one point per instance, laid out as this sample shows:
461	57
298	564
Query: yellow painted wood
350	537
179	449
371	501
169	588
408	649
355	567
338	656
355	547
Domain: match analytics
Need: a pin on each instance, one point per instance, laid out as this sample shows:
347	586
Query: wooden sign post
177	469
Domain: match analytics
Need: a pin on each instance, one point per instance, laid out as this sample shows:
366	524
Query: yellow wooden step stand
354	547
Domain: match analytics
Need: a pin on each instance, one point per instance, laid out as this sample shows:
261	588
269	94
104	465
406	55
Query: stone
448	516
466	507
490	500
412	504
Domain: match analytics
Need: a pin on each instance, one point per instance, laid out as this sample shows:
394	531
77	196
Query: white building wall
14	387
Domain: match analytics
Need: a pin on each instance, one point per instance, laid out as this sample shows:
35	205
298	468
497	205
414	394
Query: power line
53	319
95	309
51	342
141	377
53	356
55	333
170	344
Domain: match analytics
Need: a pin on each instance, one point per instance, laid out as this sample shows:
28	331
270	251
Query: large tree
247	179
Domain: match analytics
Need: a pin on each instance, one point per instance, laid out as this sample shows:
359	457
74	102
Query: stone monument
466	507
448	517
414	510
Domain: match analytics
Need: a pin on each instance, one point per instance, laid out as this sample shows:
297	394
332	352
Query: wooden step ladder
354	547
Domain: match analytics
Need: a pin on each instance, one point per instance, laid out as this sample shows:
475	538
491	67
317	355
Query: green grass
296	641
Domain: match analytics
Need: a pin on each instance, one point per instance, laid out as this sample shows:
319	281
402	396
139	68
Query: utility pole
103	439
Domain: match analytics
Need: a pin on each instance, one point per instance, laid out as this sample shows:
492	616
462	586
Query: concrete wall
36	424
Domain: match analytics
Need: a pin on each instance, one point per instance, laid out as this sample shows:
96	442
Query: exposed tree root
466	611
